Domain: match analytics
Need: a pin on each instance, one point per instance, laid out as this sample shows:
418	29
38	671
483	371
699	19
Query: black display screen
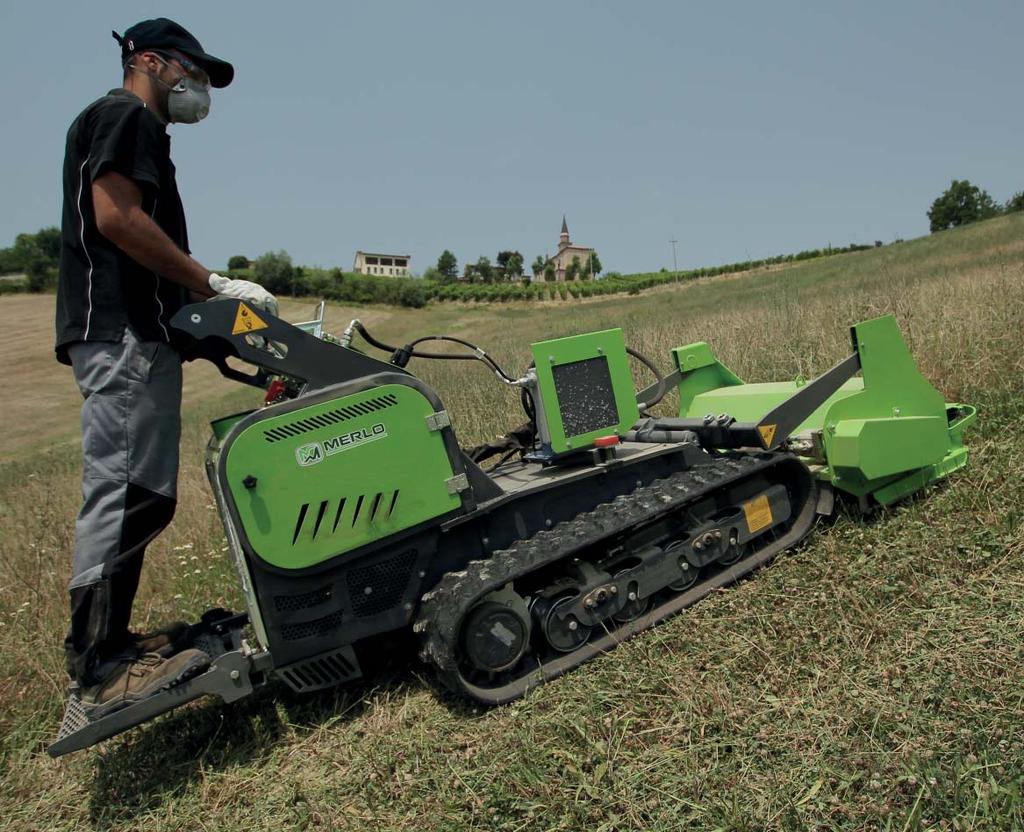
586	400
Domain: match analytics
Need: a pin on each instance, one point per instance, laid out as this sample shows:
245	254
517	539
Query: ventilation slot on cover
331	417
303	600
380	586
319	518
379	507
337	515
323	671
308	629
298	522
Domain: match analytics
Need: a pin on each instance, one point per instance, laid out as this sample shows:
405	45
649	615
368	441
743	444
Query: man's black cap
162	33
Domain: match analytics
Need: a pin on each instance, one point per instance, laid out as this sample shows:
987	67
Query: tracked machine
353	514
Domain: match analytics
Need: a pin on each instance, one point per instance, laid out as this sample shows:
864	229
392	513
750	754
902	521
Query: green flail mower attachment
883	435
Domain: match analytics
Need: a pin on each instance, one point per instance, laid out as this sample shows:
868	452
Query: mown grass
870	679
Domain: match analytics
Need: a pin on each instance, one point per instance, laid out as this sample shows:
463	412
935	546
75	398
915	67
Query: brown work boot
135	679
165	642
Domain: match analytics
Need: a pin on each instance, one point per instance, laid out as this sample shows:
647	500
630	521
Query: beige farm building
391	265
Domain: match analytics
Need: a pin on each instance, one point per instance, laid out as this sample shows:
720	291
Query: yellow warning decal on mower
758	513
767	434
246	321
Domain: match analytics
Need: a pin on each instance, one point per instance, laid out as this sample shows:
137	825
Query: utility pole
675	266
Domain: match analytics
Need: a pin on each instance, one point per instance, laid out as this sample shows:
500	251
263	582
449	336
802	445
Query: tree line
963	203
37	256
508	266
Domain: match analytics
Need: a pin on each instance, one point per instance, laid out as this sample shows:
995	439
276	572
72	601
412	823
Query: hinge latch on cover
439	420
457	484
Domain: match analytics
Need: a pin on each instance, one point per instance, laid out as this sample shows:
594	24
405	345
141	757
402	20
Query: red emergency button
606	441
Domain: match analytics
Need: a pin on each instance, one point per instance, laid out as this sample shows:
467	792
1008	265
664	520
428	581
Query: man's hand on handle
243	290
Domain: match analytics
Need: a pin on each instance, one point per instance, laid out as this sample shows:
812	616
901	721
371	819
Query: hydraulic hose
660	392
401	355
479	352
373	342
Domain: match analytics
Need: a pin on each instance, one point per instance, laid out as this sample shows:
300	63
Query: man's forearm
138	236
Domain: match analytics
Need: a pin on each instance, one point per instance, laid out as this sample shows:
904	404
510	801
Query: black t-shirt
101	289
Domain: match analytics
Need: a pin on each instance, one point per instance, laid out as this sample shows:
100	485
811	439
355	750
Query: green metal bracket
700	373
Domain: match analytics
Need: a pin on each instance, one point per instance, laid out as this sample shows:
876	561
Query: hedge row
348	287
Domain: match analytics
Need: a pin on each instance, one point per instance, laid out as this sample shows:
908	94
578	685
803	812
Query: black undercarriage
546	604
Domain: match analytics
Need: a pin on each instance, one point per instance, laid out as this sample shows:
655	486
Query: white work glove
243	290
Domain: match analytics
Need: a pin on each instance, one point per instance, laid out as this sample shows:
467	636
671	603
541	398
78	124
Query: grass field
871	679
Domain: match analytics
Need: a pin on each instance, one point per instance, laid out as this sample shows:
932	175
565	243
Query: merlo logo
307	455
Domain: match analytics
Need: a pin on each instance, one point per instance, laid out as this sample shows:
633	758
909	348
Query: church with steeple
566	251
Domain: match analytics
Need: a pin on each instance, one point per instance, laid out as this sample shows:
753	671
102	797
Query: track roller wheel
567	634
690	572
733	553
634	607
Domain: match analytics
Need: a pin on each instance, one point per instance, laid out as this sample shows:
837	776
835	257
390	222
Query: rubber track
444	607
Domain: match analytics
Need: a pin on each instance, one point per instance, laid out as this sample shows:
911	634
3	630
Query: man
125	269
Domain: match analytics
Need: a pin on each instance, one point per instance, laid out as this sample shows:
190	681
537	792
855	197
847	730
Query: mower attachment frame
884	435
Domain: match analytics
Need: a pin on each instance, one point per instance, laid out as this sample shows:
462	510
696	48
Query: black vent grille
304	600
331	417
323	671
316	627
380	586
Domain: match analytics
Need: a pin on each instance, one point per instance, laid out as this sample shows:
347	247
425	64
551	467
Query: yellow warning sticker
246	321
758	513
767	434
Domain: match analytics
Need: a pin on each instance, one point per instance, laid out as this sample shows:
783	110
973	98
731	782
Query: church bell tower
563	238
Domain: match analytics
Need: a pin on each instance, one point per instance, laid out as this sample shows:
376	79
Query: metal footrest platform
230	676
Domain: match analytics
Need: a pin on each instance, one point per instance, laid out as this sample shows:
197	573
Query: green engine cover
316	482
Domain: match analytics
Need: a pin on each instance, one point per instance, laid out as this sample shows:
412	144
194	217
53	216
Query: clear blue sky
741	129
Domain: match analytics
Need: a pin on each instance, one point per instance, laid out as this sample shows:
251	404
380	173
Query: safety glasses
195	72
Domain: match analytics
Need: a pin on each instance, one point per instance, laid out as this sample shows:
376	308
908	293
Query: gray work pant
131	426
